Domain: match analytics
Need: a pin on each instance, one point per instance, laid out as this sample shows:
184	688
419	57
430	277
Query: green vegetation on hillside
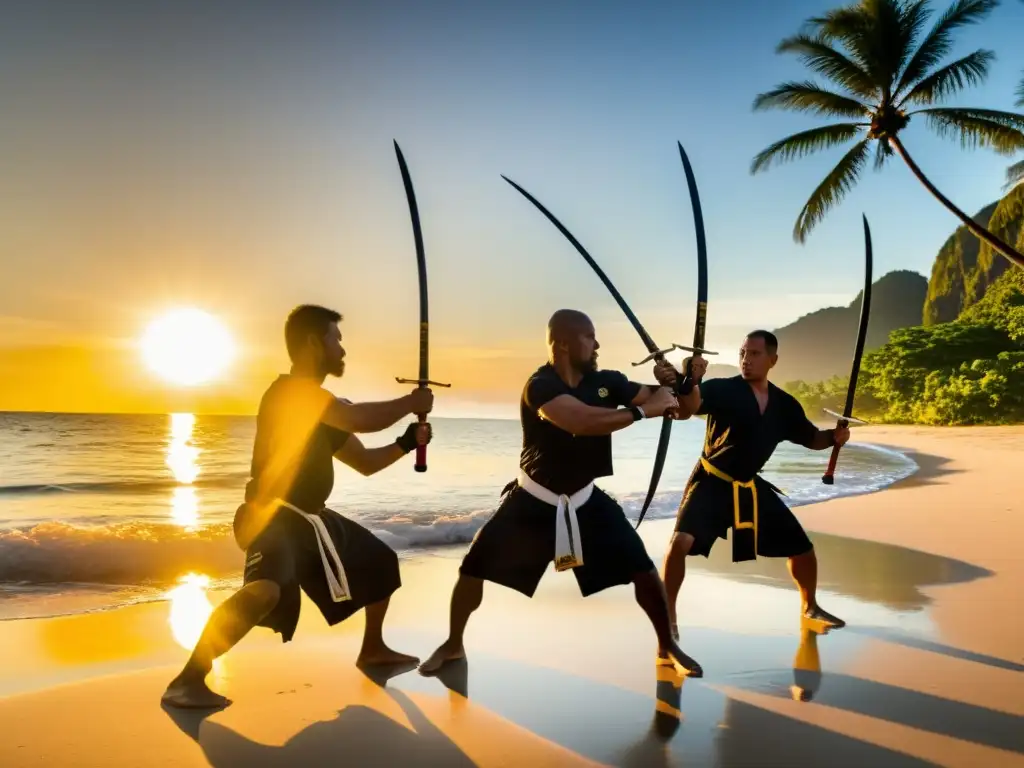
965	267
969	371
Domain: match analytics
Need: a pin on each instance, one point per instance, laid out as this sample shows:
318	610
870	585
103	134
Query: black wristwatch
638	413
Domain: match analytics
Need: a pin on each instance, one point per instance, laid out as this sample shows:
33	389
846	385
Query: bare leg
227	625
466	598
675	572
804	570
650	595
375	651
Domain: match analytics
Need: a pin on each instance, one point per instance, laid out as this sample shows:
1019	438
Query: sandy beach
930	670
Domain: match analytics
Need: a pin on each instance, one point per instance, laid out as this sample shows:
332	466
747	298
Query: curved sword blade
862	333
685	386
421	268
646	337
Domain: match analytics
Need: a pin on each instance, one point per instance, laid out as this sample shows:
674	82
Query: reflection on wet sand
864	570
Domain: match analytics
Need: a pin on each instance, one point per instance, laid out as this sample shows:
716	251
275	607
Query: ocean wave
227	480
141	552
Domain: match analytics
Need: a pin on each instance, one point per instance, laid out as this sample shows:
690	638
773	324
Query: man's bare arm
644	394
368	417
368	461
576	417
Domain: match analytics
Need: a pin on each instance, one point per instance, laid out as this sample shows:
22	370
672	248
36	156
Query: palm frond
1003	132
894	28
820	57
1015	174
882	153
805	143
939	41
832	190
850	26
911	25
808	97
970	70
1020	94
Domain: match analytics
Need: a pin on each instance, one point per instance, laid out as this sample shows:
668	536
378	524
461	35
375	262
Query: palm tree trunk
980	232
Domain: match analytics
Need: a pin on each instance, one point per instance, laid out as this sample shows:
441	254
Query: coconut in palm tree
881	67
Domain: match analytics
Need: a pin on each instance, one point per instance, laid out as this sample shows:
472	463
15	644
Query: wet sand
929	672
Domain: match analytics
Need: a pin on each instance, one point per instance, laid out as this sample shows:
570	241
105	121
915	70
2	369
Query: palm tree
872	54
1015	174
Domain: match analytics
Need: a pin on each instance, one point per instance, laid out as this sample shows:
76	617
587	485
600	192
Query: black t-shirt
293	453
558	460
738	439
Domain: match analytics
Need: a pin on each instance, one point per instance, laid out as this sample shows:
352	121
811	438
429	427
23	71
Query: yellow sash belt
738	524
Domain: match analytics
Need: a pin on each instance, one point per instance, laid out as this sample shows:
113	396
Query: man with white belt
553	512
292	542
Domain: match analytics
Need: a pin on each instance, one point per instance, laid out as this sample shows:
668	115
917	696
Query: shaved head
567	324
571	339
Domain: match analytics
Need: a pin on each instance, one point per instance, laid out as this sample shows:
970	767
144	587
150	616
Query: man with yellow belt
747	417
553	513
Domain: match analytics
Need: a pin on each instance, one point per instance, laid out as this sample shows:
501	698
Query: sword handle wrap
421	451
829	477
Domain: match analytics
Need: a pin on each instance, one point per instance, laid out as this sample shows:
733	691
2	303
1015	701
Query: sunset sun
187	347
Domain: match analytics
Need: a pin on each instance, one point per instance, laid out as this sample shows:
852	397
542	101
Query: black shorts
707	514
516	546
286	552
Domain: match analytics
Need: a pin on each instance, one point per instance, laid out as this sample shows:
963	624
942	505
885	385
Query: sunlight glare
190	609
187	347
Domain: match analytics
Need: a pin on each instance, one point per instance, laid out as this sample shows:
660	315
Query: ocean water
103	510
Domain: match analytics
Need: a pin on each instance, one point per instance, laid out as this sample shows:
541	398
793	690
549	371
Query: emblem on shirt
602	392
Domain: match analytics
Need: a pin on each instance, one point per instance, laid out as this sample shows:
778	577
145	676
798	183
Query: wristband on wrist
638	413
407	440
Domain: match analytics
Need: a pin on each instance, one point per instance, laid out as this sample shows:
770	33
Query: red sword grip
829	477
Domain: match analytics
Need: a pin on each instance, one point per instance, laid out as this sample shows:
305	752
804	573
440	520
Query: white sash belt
568	546
338	584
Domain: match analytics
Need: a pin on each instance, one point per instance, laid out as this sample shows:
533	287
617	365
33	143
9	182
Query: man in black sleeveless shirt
292	542
747	417
553	512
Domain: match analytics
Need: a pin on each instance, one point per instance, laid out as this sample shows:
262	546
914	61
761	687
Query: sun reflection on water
182	459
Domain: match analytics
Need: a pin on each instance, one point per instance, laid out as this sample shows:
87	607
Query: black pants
286	553
516	546
707	513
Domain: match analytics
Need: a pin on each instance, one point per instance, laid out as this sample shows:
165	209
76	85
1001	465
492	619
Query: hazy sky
238	157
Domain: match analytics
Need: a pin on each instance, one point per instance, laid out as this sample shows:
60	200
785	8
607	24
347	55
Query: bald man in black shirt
568	410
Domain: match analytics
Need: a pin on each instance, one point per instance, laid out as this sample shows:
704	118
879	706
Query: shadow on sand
884	574
358	736
619	725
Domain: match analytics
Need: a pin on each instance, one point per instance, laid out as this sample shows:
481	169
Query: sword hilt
421	382
661	352
421	450
656	355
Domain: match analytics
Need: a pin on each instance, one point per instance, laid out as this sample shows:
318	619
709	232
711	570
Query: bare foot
674	655
446	652
192	694
381	656
815	613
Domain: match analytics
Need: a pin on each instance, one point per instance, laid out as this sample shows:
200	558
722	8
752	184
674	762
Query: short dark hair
771	343
305	321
